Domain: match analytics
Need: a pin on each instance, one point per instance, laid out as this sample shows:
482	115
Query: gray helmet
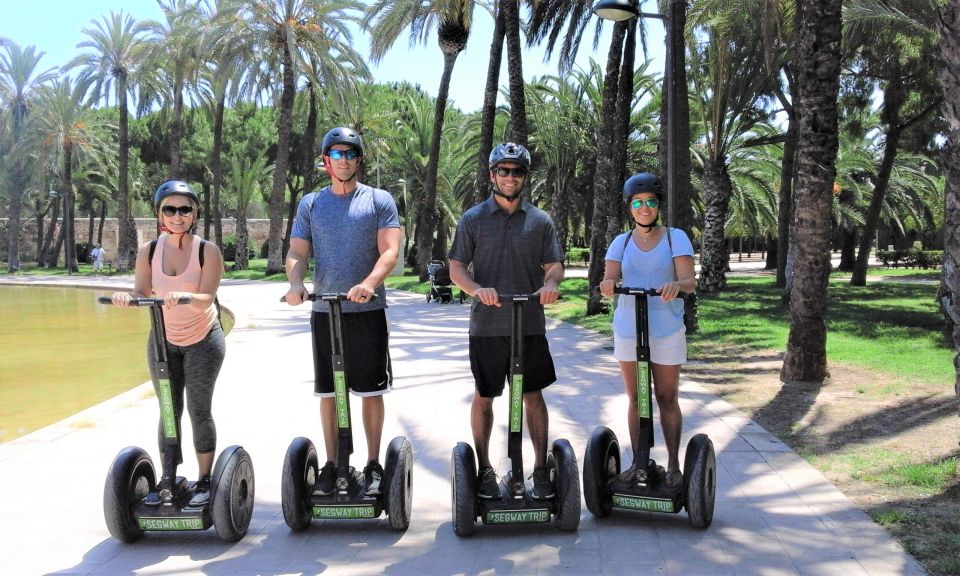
642	182
509	152
342	135
174	188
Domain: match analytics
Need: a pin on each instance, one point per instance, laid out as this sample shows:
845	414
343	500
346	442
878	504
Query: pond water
62	352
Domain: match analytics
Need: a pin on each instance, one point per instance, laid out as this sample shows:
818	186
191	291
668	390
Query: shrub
578	255
229	249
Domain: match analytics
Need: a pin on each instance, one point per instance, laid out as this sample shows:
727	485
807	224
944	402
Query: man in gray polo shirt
513	248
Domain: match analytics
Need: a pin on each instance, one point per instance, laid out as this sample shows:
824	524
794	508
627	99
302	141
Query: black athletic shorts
366	353
490	363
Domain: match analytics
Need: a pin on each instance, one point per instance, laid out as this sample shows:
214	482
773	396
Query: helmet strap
649	226
328	166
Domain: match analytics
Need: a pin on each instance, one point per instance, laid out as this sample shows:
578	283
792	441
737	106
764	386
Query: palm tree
20	83
282	33
817	61
386	19
248	179
117	49
948	26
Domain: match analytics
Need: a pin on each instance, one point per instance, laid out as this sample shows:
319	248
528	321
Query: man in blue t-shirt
513	248
352	232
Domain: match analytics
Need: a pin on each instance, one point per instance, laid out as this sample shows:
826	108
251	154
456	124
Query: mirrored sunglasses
348	154
650	202
172	210
515	172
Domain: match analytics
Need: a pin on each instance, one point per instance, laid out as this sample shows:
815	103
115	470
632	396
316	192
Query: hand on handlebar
548	294
607	288
361	294
487	296
296	295
669	291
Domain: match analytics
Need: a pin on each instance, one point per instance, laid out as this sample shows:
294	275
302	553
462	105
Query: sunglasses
650	202
515	172
348	154
172	210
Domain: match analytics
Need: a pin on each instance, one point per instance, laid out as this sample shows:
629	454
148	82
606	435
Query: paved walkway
775	514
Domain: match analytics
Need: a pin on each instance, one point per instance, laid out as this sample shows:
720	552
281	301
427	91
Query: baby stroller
441	287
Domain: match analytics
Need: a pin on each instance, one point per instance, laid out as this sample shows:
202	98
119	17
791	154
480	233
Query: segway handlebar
643	291
326	296
515	297
145	301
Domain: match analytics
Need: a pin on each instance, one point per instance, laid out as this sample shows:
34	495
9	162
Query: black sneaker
163	494
626	480
201	493
372	476
542	486
152	499
327	481
488	487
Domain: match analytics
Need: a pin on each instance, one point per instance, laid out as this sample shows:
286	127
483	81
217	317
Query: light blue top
343	233
650	270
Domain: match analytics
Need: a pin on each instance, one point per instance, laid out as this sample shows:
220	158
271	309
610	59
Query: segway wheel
399	474
300	473
566	479
463	489
130	479
231	496
700	480
601	462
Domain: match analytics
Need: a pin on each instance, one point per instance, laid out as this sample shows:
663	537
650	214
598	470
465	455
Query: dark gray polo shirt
508	252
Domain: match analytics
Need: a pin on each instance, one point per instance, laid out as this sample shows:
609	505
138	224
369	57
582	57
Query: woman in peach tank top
195	343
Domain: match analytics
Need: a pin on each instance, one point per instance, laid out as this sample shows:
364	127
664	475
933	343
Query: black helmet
342	135
509	152
642	182
174	188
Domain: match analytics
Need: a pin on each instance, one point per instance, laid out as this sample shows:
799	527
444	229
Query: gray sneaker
201	493
488	487
372	477
542	486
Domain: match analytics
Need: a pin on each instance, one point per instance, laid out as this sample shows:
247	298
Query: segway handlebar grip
642	291
145	301
326	296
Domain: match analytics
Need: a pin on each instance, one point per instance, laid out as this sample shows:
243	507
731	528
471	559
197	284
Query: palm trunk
284	120
16	196
216	168
818	65
241	260
127	242
681	194
102	217
625	95
70	244
45	256
714	255
176	130
601	181
518	106
785	212
481	184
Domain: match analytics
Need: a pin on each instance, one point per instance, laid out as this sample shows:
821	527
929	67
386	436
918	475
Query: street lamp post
618	10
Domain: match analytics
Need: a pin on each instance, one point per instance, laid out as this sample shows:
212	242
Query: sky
55	27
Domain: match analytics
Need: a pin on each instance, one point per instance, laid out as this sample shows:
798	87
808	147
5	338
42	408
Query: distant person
513	248
352	233
97	254
656	257
195	342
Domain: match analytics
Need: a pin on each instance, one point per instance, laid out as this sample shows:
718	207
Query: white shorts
669	351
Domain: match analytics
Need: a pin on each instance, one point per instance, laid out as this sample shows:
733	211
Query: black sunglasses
348	154
185	210
515	172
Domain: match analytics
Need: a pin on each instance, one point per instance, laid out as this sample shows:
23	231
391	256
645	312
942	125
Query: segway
516	504
132	477
602	457
301	470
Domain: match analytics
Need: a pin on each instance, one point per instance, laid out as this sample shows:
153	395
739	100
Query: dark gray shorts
490	363
366	353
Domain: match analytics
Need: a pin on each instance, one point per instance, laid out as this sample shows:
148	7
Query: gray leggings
192	368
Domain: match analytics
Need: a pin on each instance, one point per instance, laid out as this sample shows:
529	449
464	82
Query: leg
666	383
373	413
201	363
328	422
538	421
628	370
481	421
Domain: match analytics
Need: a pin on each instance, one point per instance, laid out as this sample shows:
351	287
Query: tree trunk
481	184
276	204
948	25
894	97
45	256
216	168
788	173
176	130
70	245
818	65
714	252
848	250
102	217
605	167
426	218
681	195
621	129
518	103
16	198
61	234
127	242
242	261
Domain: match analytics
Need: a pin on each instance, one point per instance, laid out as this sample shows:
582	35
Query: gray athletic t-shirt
343	233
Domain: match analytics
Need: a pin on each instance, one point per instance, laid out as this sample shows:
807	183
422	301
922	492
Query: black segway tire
300	473
399	481
566	481
601	462
463	489
700	480
231	493
130	479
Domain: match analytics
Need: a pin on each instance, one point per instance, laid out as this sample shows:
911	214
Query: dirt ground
855	428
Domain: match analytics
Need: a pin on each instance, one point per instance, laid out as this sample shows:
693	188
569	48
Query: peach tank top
185	325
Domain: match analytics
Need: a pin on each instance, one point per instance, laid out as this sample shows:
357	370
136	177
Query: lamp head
616	10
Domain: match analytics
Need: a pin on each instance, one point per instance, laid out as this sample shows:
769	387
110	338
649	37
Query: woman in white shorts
651	256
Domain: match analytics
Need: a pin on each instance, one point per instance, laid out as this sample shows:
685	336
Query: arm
296	266
611	275
552	276
683	265
388	243
461	277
